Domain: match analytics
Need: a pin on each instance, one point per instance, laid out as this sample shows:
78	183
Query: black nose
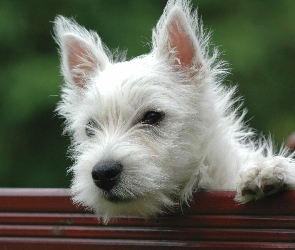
106	174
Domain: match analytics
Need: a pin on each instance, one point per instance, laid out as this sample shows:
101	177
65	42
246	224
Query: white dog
148	132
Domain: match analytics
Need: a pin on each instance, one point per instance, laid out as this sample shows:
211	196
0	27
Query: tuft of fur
201	141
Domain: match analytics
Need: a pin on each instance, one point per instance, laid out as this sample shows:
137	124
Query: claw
263	184
248	191
283	187
268	188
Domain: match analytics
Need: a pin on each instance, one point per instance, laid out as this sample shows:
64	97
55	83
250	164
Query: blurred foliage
257	37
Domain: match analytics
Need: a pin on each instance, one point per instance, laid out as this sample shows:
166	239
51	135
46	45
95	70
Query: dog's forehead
115	76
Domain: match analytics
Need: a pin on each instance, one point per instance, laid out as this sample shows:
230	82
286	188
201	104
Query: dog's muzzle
106	174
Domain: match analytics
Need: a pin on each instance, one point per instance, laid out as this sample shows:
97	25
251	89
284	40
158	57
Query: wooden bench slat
217	202
222	202
230	221
94	244
218	221
176	233
48	218
36	200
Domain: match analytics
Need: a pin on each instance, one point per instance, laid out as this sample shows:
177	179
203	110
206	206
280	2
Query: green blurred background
257	37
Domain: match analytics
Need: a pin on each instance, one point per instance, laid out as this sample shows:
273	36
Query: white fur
202	142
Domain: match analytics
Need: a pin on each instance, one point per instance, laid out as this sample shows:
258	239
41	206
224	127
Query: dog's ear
175	37
82	53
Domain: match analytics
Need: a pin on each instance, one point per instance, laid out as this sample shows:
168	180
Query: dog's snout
106	174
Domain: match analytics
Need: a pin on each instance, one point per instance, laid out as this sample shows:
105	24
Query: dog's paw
259	179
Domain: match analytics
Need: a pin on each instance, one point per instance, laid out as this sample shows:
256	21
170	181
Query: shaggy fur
200	142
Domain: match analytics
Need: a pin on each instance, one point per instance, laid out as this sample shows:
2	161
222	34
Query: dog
149	132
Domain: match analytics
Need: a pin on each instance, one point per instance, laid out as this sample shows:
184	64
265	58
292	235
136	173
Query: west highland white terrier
148	132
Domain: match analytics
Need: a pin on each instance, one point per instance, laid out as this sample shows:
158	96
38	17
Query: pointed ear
82	53
175	36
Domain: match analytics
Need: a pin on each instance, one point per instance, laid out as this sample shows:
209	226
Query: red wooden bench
46	219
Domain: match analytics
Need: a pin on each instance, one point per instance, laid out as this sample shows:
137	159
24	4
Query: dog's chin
113	198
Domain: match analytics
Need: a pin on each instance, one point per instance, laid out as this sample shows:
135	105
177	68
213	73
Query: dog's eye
152	118
90	128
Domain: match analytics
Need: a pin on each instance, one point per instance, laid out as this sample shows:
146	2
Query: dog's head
138	125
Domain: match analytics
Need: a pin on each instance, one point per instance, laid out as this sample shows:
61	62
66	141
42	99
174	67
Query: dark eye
90	128
152	118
